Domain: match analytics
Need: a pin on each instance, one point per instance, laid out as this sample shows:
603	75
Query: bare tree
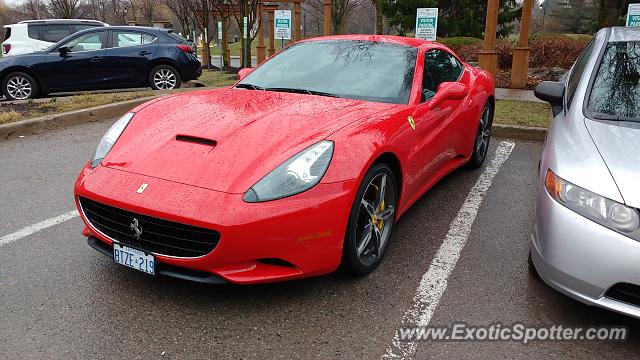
342	10
182	11
119	9
98	9
147	9
64	9
34	9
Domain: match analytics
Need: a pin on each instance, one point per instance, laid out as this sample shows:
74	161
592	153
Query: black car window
576	73
616	90
86	42
131	38
439	67
7	34
54	33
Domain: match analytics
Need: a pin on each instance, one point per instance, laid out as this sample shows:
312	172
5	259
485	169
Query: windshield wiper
249	86
302	91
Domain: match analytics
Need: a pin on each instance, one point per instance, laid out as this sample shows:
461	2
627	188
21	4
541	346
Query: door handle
144	53
95	59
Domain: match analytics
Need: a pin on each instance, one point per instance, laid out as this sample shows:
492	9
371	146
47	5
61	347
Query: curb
517	132
56	121
104	112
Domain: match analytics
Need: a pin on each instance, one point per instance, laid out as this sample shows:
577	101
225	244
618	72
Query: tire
483	137
358	257
19	86
164	77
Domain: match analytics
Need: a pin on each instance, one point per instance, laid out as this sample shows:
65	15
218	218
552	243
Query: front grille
158	236
627	293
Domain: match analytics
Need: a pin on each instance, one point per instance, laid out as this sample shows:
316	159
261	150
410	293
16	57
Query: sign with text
633	17
219	30
427	24
282	23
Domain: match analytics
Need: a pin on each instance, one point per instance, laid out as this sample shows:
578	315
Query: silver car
586	241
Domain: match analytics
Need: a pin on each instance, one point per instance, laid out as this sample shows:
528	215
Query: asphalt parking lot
61	299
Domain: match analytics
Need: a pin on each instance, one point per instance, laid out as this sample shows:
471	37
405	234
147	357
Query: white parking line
434	281
32	229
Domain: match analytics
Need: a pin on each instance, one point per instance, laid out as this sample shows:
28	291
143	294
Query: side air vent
197	140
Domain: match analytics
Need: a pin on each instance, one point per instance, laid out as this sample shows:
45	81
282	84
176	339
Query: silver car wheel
375	218
19	88
165	79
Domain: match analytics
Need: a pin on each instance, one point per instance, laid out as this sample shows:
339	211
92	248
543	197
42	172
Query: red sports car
299	168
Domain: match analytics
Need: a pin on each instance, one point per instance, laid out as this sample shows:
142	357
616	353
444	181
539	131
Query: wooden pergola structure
269	7
489	56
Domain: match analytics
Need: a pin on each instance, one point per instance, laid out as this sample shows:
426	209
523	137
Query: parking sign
427	24
633	17
282	23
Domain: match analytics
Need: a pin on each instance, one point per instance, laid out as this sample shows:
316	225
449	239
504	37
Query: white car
35	35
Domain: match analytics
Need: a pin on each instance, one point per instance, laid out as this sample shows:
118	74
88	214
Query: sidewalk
514	94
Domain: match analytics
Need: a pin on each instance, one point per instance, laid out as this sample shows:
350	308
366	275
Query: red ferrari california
300	168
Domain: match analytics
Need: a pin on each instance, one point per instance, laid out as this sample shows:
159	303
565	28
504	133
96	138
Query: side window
54	33
578	70
87	42
33	32
439	67
131	38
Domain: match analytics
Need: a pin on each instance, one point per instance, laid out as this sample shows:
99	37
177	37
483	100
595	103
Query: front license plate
134	259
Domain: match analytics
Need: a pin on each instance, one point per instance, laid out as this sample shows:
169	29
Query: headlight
110	138
296	175
605	212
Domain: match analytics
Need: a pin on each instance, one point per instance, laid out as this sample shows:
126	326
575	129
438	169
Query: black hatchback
102	58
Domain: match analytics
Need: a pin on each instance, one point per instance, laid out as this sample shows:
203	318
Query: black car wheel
370	221
19	86
164	77
483	137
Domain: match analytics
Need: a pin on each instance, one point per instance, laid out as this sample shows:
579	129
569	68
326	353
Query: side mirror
448	91
244	72
64	51
553	93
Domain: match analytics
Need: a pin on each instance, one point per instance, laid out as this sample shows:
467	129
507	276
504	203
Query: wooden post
520	70
328	22
489	56
262	50
272	35
297	12
225	42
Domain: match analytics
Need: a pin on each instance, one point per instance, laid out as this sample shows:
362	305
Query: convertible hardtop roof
400	40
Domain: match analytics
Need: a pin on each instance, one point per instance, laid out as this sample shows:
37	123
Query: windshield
616	90
365	70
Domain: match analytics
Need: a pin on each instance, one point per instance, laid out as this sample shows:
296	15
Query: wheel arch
393	162
162	61
23	69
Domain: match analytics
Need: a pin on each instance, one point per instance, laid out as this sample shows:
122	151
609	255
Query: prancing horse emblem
136	228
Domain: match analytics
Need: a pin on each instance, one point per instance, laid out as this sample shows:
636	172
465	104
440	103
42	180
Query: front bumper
581	258
291	238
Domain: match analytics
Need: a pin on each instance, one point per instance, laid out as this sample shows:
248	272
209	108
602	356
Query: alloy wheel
165	79
375	218
484	134
19	88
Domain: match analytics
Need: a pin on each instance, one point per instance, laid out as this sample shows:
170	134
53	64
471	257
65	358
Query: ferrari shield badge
142	188
411	122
